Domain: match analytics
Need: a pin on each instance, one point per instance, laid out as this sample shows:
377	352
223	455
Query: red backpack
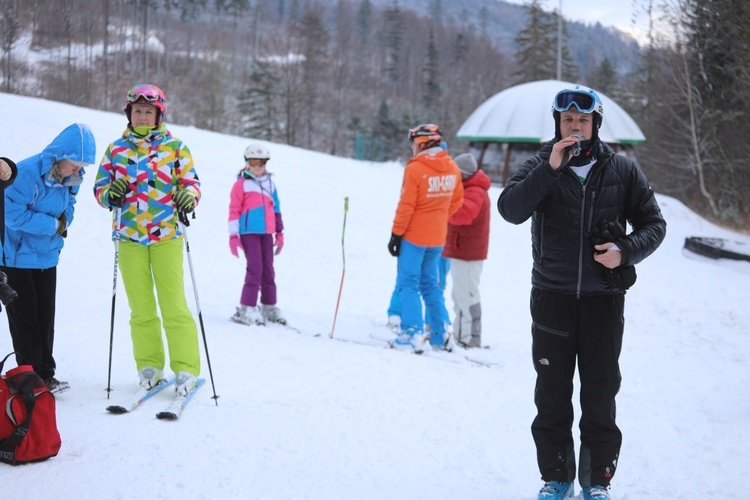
28	425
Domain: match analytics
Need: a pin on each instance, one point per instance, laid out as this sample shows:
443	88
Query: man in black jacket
580	195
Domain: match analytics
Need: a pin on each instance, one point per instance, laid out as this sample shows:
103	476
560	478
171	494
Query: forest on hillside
350	77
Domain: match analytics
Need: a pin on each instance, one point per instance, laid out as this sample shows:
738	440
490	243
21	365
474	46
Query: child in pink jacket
255	225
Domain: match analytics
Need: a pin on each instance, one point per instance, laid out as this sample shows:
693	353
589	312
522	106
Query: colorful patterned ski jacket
430	193
156	166
37	199
254	206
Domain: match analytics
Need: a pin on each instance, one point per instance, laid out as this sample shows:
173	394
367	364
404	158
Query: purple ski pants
259	272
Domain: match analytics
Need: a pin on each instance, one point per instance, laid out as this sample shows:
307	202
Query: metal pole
343	270
185	223
118	215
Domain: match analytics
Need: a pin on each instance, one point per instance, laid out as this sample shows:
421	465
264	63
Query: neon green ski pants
161	265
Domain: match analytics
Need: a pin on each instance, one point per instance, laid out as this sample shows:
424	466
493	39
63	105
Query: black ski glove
394	246
116	192
609	232
7	294
606	232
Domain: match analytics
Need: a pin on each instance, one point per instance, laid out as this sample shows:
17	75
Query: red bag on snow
28	424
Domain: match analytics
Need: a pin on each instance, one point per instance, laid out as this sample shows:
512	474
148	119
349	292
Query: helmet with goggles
581	98
144	93
257	151
584	99
426	135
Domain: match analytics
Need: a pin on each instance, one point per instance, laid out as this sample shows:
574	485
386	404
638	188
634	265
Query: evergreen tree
483	21
431	91
460	48
395	26
569	69
364	22
364	54
605	78
385	134
537	46
314	38
436	11
258	103
235	8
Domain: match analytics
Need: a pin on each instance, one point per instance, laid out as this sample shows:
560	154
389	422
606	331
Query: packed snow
301	416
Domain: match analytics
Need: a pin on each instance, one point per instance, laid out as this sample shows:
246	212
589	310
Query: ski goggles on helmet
145	93
583	101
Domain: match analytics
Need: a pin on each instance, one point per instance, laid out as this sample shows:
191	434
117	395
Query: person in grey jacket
579	195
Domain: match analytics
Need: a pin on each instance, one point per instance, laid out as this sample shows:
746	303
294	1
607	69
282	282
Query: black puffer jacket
564	212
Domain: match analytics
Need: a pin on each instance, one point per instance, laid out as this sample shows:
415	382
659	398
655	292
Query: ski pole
343	270
185	222
118	215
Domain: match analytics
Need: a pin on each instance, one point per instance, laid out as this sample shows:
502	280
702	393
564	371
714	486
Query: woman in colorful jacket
147	177
39	209
254	219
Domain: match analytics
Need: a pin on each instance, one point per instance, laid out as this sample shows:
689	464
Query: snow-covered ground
309	417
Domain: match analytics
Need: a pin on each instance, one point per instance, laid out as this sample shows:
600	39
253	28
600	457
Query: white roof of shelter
524	114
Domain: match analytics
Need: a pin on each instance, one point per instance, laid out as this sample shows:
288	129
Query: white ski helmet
257	151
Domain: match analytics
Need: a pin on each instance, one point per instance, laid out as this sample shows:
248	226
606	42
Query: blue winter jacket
36	200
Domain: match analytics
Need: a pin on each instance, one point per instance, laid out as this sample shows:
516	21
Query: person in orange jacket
430	193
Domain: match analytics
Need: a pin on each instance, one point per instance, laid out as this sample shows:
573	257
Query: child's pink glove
234	244
279	243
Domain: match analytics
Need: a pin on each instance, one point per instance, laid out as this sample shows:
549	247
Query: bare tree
11	26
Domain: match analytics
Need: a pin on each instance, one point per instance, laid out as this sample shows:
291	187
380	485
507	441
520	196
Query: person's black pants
31	317
588	330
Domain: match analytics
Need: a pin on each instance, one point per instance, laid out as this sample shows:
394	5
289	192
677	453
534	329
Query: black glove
7	294
185	201
117	190
609	232
394	246
62	225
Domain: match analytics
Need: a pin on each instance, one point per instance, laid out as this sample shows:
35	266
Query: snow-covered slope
309	417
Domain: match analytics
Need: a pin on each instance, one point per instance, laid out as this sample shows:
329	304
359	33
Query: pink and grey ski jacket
254	206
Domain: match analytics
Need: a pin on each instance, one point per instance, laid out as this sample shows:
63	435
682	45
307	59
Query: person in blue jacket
39	209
